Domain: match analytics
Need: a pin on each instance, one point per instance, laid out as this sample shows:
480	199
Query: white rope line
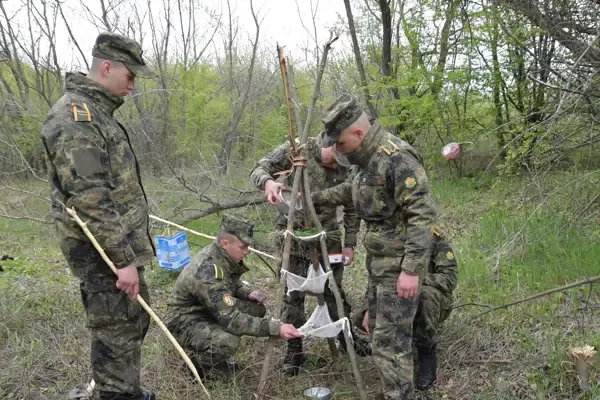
164	221
305	238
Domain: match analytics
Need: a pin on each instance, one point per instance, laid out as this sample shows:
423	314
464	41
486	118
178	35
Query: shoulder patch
450	255
410	182
228	299
81	113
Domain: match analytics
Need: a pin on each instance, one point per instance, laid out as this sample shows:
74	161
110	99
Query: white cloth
320	325
314	282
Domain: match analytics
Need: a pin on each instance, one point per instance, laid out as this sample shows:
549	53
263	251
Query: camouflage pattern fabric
238	226
340	115
321	178
435	302
115	47
92	168
117	325
436	298
390	192
209	343
209	298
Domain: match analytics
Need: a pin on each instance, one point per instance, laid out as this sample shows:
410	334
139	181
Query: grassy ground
505	250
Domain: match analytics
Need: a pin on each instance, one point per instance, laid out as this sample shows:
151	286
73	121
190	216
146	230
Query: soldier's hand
408	285
288	331
129	281
257	296
347	255
365	323
271	191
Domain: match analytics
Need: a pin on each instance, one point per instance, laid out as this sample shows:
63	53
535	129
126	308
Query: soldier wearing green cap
324	171
210	308
92	167
390	192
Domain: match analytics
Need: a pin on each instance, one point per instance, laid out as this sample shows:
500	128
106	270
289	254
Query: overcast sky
282	22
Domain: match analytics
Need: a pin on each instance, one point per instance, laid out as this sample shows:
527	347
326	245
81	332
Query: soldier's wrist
274	327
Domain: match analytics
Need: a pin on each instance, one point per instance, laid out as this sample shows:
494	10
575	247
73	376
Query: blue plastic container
172	252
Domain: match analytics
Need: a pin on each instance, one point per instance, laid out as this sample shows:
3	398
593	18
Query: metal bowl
317	393
284	206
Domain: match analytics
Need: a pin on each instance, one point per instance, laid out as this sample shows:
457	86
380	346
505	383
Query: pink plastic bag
451	151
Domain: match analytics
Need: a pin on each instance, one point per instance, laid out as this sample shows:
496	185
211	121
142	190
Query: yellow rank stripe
217	269
76	112
394	145
87	110
382	147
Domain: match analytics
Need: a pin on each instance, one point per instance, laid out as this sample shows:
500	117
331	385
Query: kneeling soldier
209	308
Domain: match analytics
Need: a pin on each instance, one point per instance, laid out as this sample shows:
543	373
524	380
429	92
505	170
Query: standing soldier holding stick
93	169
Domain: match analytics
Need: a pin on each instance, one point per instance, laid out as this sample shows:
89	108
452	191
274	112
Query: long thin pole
139	299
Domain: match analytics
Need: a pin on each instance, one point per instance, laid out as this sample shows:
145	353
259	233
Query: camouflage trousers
293	311
434	308
117	325
207	342
391	327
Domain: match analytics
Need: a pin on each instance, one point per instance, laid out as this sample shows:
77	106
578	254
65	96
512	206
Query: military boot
427	367
362	347
294	359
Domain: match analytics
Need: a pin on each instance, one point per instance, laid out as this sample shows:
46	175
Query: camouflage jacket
442	271
92	168
321	178
390	191
206	291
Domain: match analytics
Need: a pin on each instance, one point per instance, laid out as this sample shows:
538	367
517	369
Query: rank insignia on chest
227	299
450	255
410	182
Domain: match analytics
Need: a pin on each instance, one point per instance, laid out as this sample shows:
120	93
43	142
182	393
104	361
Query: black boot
427	367
294	359
362	347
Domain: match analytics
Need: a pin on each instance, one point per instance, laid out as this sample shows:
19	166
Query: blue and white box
172	252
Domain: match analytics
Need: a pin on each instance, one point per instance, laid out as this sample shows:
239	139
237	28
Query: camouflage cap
340	115
115	47
238	226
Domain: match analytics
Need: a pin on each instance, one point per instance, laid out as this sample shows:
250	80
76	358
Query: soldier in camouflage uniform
210	308
435	305
390	192
93	169
324	172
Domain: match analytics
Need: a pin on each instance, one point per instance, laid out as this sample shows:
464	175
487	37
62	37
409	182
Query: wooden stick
542	294
140	300
183	228
287	247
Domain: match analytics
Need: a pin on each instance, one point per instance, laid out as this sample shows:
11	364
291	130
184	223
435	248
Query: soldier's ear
105	68
224	244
